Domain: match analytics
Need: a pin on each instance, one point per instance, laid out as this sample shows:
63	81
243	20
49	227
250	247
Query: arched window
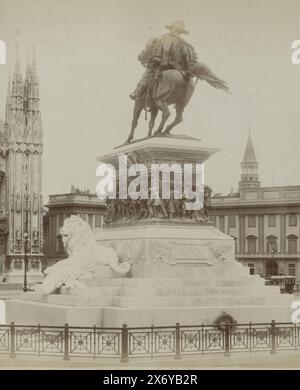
235	242
271	244
251	244
60	245
292	243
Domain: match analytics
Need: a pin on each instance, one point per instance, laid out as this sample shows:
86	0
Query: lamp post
273	250
26	250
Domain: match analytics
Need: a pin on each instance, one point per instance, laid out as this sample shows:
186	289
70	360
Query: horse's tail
202	72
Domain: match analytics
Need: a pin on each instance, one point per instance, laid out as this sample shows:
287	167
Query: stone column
261	248
242	237
282	232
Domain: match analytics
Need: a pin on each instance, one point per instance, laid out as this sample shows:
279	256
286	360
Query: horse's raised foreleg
138	106
165	115
154	112
178	119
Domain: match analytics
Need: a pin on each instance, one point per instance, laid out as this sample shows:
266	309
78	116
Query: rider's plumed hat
179	26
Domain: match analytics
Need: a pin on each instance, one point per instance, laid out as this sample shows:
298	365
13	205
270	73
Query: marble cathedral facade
21	203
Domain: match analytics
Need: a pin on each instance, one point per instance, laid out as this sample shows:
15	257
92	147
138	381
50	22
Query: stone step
94	291
240	282
9	293
166	301
10	286
190	271
69	300
197	291
146	302
176	282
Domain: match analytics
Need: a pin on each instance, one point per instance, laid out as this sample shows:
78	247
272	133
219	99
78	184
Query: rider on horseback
169	52
171	63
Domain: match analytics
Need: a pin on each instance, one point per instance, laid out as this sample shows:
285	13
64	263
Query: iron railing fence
127	342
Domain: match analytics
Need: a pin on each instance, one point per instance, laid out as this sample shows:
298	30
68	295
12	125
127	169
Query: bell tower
249	168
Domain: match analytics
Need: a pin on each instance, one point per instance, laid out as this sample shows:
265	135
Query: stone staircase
10	290
186	294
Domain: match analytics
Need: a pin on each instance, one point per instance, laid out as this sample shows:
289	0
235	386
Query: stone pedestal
179	274
14	272
182	268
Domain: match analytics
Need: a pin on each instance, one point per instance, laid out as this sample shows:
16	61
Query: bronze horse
172	87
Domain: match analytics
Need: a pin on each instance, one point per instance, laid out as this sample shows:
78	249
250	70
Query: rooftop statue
171	65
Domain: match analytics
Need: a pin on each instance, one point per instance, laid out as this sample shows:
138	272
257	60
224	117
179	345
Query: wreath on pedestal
224	319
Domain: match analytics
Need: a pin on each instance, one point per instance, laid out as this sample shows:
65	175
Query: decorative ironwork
123	342
191	340
26	340
4	339
261	338
52	341
81	342
108	343
285	337
164	341
139	343
240	339
214	339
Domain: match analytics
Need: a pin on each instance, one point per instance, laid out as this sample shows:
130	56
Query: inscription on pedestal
189	253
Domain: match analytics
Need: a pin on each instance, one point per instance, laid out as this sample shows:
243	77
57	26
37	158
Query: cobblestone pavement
282	360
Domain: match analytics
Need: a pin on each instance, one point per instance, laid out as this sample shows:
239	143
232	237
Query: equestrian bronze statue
171	65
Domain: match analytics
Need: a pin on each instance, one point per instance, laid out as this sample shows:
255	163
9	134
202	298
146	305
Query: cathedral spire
8	100
33	85
33	131
17	63
249	168
17	92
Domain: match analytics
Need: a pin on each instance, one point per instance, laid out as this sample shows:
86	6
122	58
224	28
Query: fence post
273	338
39	339
152	341
250	336
177	341
94	341
66	342
227	340
12	340
295	336
124	341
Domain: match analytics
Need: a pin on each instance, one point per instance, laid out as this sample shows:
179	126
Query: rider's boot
134	96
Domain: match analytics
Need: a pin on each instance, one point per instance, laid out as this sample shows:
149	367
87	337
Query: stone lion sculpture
84	256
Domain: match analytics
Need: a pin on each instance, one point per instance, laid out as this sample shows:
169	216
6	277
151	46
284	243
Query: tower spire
33	131
249	155
17	92
249	168
17	63
8	100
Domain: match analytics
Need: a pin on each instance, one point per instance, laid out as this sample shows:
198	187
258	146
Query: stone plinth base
179	274
152	244
159	300
15	277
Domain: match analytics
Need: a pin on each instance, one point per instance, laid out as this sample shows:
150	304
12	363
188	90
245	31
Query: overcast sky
87	64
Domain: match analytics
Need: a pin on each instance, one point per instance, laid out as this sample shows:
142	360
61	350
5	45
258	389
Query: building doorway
271	268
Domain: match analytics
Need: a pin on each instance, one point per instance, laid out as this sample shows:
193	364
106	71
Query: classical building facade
21	203
265	222
62	206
